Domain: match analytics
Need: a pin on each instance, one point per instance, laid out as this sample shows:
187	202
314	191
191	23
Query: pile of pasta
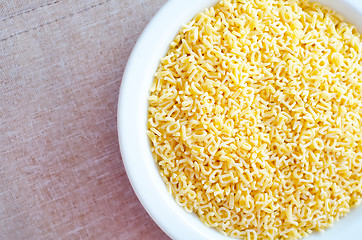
255	118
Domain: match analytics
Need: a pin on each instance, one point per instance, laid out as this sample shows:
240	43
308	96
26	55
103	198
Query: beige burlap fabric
61	173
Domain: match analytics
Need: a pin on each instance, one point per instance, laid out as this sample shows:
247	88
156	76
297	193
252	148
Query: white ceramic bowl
132	117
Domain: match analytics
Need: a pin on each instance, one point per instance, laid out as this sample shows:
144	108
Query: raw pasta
255	118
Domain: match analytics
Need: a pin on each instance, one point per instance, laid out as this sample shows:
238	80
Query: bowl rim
155	199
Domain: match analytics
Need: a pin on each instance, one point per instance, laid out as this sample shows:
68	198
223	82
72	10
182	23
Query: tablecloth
61	173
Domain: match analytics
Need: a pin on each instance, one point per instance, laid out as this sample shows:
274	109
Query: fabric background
61	173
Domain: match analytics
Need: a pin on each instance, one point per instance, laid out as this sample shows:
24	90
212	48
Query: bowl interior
132	117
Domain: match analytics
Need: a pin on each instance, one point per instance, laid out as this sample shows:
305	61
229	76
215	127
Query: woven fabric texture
61	172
